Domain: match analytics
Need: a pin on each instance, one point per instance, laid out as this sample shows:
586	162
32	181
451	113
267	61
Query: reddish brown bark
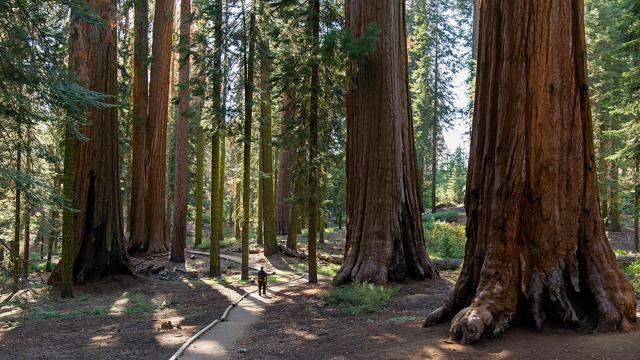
283	178
314	15
179	238
536	246
385	239
140	115
98	228
156	213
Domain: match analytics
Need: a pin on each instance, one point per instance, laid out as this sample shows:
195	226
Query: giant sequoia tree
97	226
156	144
385	239
140	115
536	245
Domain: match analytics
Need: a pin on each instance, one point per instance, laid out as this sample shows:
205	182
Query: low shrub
358	299
445	240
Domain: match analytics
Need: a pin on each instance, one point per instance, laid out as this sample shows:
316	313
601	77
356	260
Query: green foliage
444	239
357	48
139	304
325	269
443	215
359	299
633	274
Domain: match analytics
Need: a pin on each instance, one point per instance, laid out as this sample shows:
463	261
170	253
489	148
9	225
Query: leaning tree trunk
98	239
385	239
156	146
179	238
536	246
137	234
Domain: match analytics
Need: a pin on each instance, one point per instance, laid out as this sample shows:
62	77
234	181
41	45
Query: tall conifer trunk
137	240
98	241
179	238
385	238
266	151
536	245
156	144
246	161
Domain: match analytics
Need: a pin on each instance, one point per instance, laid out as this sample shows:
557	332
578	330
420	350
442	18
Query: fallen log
291	253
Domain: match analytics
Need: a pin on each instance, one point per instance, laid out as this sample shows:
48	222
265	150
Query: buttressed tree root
536	245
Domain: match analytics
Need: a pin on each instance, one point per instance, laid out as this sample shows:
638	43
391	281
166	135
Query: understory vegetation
358	299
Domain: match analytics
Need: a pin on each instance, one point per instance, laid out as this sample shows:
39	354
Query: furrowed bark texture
98	236
179	238
156	145
536	246
266	151
385	239
246	161
314	15
199	175
216	125
283	179
140	116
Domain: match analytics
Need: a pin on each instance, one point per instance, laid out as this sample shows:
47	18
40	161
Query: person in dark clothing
262	282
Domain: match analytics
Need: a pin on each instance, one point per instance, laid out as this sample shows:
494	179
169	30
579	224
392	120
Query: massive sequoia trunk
140	114
98	230
536	246
179	238
156	208
385	239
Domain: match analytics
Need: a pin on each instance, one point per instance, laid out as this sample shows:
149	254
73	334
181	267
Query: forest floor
122	318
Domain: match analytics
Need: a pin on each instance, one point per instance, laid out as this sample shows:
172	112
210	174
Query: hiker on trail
262	282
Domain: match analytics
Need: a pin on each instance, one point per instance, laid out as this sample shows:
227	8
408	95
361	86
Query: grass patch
139	304
358	299
402	319
327	270
44	312
619	252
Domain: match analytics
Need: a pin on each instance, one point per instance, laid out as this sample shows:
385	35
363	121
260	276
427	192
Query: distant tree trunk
259	226
156	145
283	179
217	123
614	203
53	236
536	245
434	130
199	173
179	238
636	204
248	115
294	216
314	9
238	200
98	240
28	208
15	245
137	241
266	151
385	238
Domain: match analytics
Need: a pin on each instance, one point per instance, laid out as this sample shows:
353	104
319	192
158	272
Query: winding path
219	342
